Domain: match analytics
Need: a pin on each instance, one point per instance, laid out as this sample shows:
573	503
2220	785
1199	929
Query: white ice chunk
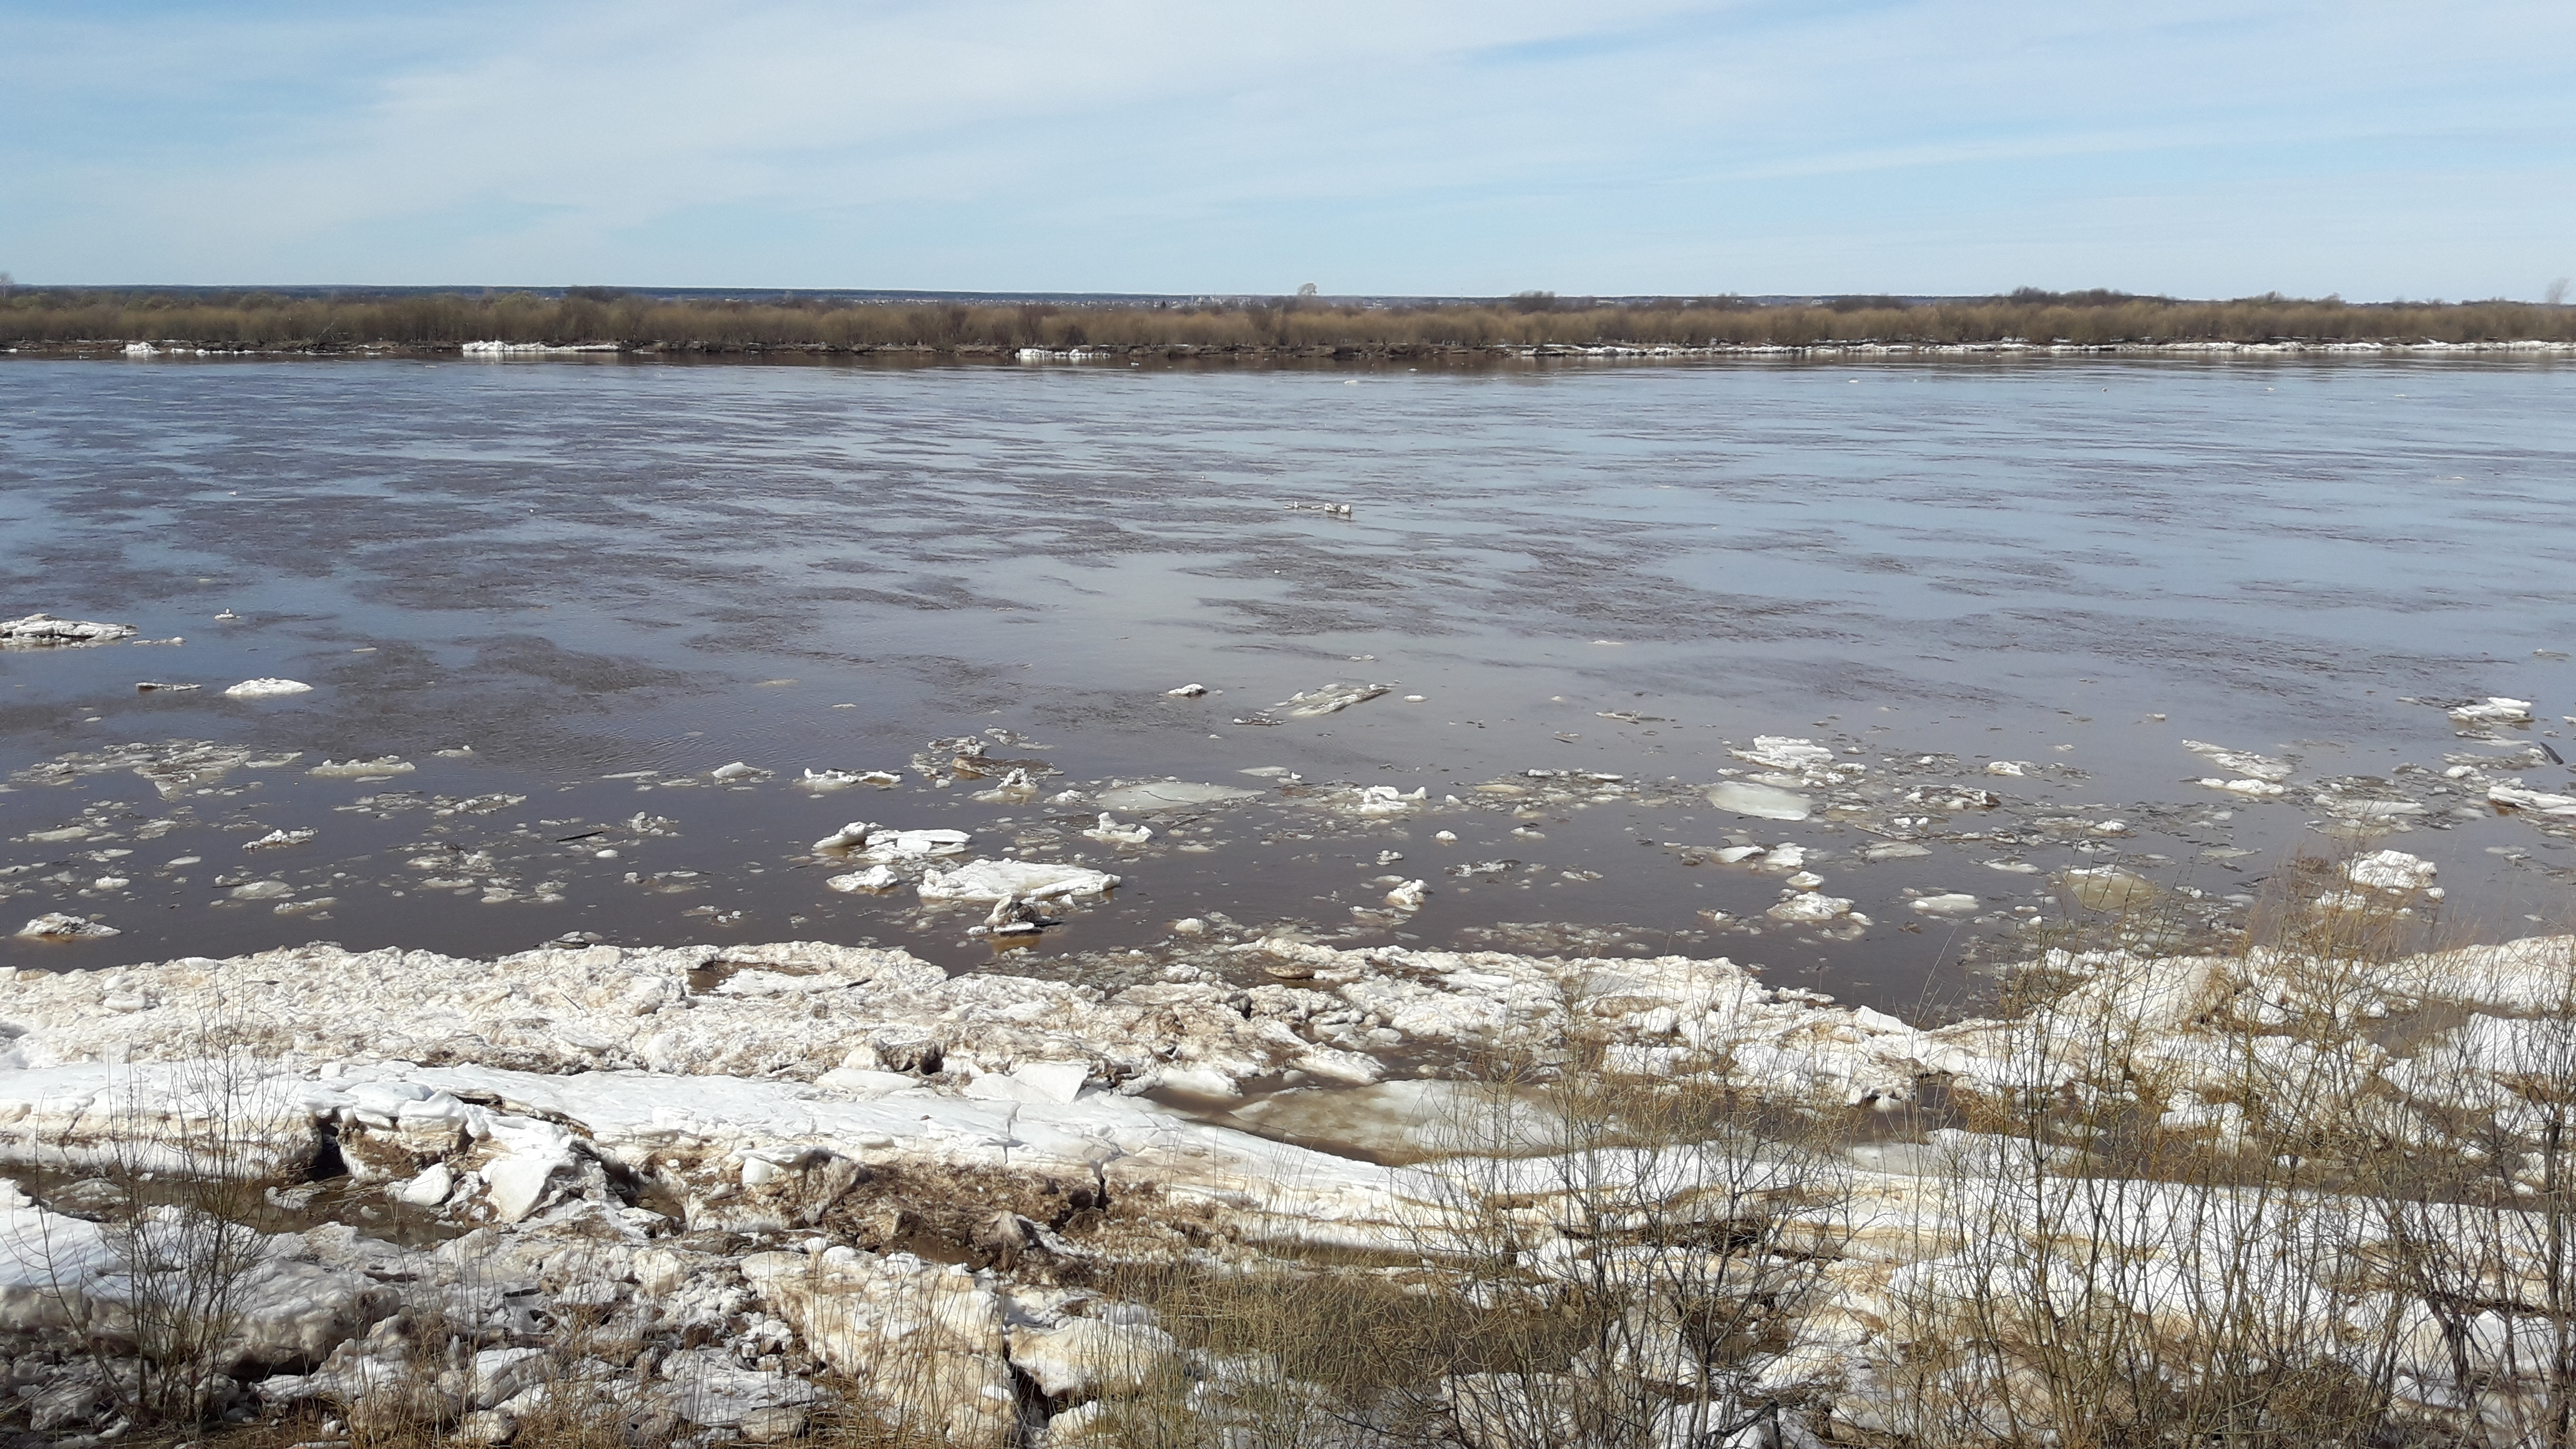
1763	802
59	926
267	688
2261	767
1787	752
2389	870
1109	832
2494	709
41	630
1171	795
993	880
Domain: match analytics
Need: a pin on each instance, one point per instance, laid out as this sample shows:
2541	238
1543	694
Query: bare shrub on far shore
54	317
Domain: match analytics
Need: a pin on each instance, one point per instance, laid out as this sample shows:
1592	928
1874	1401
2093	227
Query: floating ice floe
1762	802
1318	702
883	844
1810	906
2390	870
267	688
1171	795
1787	752
874	878
1408	896
39	631
2248	787
2260	767
2494	709
2515	797
60	926
1330	510
1388	800
154	686
1187	691
362	769
825	781
531	349
276	838
992	880
2108	888
1109	832
1948	903
2008	767
739	773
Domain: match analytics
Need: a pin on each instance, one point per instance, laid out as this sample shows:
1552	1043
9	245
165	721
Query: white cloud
1153	145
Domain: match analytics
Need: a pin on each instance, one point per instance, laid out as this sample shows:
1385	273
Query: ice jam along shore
760	1164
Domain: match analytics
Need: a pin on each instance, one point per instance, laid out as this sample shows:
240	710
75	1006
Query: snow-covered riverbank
754	1164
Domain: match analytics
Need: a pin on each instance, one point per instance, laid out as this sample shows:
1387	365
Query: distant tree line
72	317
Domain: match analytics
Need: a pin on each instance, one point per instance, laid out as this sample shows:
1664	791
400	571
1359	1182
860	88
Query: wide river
565	594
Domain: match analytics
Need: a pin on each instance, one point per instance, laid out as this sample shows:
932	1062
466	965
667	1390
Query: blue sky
1614	146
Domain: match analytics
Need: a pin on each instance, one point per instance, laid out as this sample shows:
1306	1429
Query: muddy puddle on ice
1947	632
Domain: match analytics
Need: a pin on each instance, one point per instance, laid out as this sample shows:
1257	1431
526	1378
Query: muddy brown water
591	583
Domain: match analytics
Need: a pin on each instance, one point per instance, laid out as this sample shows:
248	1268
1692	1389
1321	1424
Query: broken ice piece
267	688
276	838
991	880
848	836
738	771
2494	709
2389	870
1408	896
1810	906
1187	691
41	630
1110	832
58	926
874	878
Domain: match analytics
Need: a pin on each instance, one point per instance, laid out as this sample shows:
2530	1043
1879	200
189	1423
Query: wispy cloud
1629	145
